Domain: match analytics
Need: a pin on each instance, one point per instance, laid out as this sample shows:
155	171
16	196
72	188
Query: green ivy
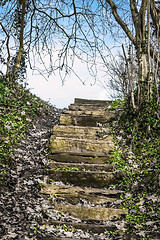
18	107
140	130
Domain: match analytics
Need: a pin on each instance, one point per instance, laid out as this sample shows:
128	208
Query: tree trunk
143	77
130	80
143	67
20	51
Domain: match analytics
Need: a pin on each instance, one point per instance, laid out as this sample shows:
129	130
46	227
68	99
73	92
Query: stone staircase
80	155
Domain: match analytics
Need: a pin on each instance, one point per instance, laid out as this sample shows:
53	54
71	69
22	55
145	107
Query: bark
130	80
8	51
120	21
157	67
142	52
21	39
134	12
150	79
155	13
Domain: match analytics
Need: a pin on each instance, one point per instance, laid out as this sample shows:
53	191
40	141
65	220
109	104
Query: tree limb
20	51
120	21
51	18
134	12
155	13
8	51
142	19
130	79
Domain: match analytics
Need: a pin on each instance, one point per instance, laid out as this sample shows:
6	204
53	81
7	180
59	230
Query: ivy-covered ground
137	153
26	124
18	109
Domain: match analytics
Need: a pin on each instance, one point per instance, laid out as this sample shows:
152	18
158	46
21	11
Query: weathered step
79	157
62	144
53	238
95	228
82	167
75	118
91	213
88	113
92	102
57	238
81	132
88	107
88	179
75	195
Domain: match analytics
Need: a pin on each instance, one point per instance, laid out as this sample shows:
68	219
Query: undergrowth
18	108
137	153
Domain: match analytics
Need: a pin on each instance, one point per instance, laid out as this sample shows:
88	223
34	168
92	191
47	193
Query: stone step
88	107
86	179
75	195
53	238
91	213
82	167
62	144
92	102
89	113
79	150
81	132
59	238
84	120
95	228
72	157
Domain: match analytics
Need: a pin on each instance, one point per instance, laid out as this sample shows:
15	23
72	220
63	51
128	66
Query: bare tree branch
134	12
130	80
21	37
8	51
120	21
155	13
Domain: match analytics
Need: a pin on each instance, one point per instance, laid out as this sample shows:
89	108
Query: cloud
61	96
